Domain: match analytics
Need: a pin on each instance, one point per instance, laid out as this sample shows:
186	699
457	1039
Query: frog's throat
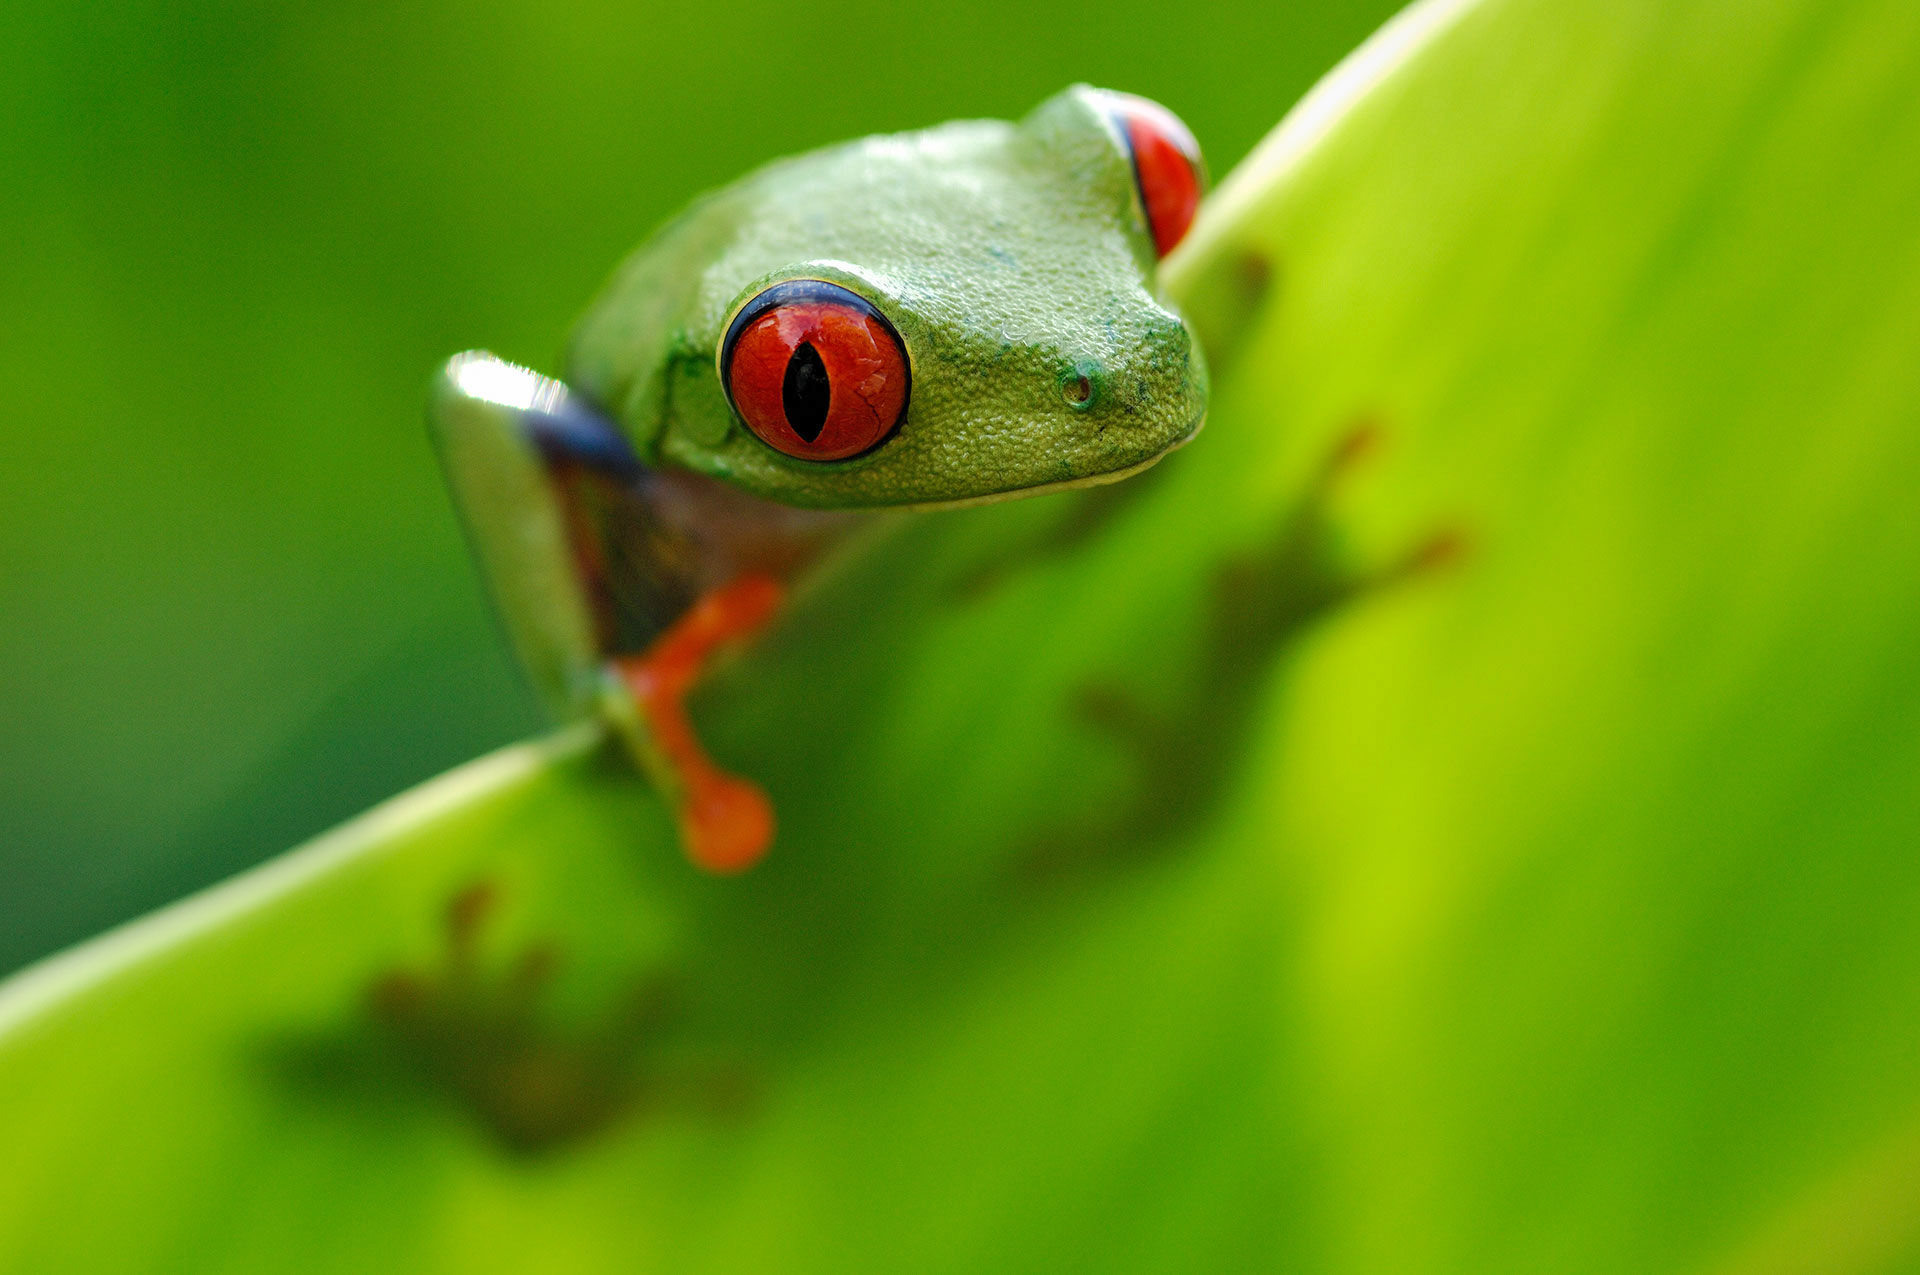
1065	484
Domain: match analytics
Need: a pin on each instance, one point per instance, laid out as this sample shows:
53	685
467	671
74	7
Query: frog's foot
726	822
473	1029
1181	759
1439	549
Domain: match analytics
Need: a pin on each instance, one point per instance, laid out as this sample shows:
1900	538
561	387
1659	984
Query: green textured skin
1012	259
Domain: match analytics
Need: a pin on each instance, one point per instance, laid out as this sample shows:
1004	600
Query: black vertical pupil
806	392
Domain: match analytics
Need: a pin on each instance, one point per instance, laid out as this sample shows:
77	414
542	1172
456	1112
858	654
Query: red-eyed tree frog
922	320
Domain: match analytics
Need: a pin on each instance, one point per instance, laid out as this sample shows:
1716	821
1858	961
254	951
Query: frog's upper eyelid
875	290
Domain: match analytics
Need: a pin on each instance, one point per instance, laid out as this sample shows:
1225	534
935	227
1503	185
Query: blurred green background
239	236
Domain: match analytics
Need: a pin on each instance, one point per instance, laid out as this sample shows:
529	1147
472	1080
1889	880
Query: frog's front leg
617	583
726	822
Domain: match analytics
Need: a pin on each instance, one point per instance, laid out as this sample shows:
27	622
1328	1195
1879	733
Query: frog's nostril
1080	383
1134	383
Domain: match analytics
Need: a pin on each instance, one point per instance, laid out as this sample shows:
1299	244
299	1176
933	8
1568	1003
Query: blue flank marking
577	432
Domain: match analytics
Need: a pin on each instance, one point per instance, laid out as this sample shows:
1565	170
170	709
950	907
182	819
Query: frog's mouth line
1065	484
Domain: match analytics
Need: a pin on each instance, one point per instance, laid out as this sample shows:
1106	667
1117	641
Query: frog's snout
1152	382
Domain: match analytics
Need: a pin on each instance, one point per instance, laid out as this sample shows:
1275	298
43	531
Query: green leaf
1458	815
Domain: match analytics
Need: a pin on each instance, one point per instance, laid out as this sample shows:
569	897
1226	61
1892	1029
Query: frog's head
957	315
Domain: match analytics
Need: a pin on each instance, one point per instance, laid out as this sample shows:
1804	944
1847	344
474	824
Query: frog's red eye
815	370
1166	166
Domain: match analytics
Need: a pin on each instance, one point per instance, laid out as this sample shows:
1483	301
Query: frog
907	322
